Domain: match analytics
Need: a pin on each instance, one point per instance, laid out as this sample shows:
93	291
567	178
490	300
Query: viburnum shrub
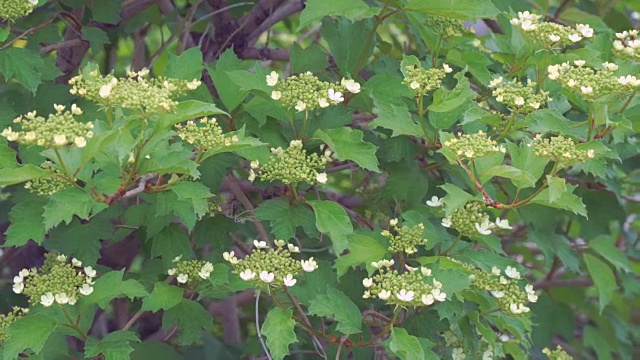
320	179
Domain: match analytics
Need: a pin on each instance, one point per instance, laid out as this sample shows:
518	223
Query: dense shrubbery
337	179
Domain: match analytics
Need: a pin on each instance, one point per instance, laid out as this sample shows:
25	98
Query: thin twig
232	184
264	346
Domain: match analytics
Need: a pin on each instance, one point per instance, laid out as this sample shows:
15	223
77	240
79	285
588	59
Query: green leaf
96	38
348	145
605	246
196	194
245	144
603	279
21	174
285	218
545	121
110	286
333	220
188	110
455	198
566	201
30	332
154	350
190	318
81	240
64	204
230	93
597	340
388	93
405	346
186	66
346	39
315	283
4	33
312	58
448	106
170	242
114	346
106	11
163	296
461	9
353	10
362	250
26	223
337	305
278	328
508	172
523	158
251	80
477	62
23	65
557	187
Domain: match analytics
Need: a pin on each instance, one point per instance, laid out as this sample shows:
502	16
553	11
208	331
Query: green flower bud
14	9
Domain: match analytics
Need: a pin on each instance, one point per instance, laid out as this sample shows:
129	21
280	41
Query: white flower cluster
550	34
483	228
57	130
403	289
307	92
271	267
518	97
592	83
191	271
291	165
61	284
627	45
504	288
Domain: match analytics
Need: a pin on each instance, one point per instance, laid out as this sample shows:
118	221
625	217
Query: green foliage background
575	228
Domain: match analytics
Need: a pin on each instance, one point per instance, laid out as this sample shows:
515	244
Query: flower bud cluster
408	288
191	272
473	146
291	165
511	299
57	281
591	83
8	319
136	91
550	34
57	130
446	26
557	354
14	9
560	149
306	92
518	97
468	219
627	45
454	342
422	80
47	186
274	268
214	205
405	238
206	136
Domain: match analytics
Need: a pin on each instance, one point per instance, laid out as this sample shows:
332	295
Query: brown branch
234	187
61	45
265	54
493	25
278	14
140	188
559	10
